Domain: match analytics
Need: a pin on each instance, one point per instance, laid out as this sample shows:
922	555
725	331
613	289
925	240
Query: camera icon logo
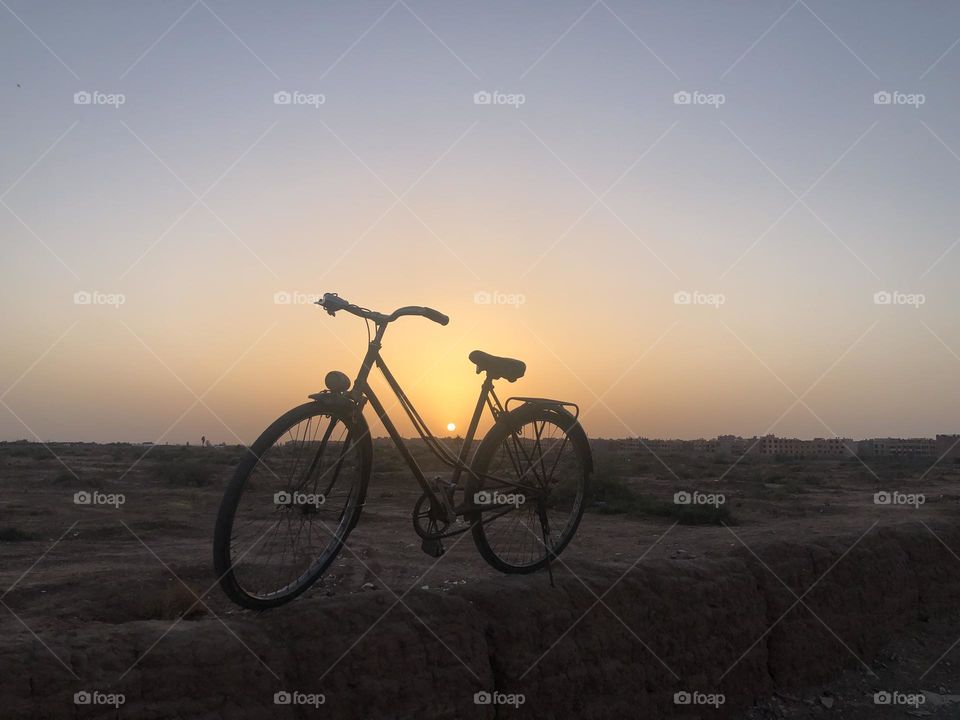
482	297
82	498
82	98
482	98
882	698
482	698
282	697
682	498
483	497
282	498
682	698
882	98
282	97
882	297
282	298
682	98
82	698
82	297
682	297
882	498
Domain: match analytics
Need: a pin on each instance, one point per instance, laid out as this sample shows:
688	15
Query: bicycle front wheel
529	478
296	495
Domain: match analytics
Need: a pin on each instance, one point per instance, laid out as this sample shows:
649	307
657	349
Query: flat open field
72	570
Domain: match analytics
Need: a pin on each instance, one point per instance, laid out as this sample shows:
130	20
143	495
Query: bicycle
300	488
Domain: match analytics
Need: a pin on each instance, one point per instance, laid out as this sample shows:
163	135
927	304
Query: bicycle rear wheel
295	496
530	473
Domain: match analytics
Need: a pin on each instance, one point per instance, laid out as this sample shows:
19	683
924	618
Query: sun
451	427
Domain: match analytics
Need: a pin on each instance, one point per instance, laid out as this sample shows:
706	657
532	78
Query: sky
690	218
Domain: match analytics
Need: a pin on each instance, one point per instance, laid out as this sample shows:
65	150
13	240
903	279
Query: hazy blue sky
783	194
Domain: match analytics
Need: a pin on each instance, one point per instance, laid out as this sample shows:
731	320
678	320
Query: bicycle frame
362	392
437	515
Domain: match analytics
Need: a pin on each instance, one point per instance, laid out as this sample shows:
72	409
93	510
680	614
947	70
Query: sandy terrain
70	567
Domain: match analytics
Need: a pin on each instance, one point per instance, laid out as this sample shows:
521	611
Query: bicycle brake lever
322	303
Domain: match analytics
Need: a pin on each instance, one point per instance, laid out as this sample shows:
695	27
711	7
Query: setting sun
451	427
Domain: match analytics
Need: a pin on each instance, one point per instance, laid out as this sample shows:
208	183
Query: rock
367	586
826	701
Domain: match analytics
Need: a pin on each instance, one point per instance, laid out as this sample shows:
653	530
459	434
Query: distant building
831	447
662	446
703	446
773	445
946	446
734	444
897	447
816	448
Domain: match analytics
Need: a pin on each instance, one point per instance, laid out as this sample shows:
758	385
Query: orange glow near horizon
678	375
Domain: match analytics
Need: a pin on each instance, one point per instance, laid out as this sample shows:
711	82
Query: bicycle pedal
433	548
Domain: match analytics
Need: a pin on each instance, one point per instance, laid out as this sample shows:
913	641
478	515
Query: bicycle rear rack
544	401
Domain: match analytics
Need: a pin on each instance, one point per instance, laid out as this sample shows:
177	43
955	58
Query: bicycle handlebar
332	303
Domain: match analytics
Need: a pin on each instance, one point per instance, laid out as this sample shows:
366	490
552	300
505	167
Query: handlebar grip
436	316
332	302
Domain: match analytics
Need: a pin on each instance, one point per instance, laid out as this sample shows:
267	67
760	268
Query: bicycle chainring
429	521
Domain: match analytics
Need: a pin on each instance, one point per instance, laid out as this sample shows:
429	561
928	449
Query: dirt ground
903	667
65	565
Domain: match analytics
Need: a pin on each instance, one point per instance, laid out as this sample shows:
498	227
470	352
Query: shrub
609	495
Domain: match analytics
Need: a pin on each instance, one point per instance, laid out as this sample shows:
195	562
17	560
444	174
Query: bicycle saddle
498	367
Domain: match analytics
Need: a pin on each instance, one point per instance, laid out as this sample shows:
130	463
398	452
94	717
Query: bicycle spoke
282	488
540	451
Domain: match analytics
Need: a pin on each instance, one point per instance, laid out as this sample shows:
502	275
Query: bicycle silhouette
300	488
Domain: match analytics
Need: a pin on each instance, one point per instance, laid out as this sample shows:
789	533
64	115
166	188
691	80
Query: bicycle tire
223	551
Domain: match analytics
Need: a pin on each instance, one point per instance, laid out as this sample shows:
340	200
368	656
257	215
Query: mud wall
728	626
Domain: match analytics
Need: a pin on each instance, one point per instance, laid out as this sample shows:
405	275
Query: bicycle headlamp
337	381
